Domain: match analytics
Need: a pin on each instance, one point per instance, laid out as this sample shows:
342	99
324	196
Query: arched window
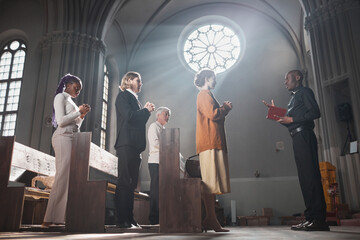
104	108
12	59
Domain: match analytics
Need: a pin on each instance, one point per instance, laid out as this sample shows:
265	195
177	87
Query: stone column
334	29
72	43
68	52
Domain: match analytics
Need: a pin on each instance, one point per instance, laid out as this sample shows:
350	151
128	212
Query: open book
275	112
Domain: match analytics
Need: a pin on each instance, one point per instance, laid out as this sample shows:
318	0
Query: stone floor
248	233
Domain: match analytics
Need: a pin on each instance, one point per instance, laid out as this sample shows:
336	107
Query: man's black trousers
154	193
306	158
128	172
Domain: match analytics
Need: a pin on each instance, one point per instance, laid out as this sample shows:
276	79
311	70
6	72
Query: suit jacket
131	122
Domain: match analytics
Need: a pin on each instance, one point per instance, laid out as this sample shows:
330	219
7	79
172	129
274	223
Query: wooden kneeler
180	199
86	199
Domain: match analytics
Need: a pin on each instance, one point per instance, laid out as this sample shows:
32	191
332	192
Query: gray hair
162	109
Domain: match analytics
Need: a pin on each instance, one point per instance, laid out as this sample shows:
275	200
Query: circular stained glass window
213	46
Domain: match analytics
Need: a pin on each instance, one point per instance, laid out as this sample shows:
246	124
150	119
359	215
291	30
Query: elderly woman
67	118
211	146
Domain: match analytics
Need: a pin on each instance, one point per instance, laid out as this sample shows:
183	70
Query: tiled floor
248	233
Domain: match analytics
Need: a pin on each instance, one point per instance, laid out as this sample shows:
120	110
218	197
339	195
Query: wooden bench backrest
180	199
15	158
86	199
27	158
103	160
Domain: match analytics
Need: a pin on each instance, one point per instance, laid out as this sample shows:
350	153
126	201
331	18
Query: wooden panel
168	181
103	160
11	213
34	211
6	149
190	201
33	160
86	199
180	199
86	208
141	211
11	199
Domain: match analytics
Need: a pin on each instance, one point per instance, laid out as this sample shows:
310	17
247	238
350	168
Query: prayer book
275	113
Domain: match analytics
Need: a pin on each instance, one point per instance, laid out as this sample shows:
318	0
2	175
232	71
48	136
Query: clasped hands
227	105
150	106
84	109
285	119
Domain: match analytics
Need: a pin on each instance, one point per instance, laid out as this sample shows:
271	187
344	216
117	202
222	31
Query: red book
275	112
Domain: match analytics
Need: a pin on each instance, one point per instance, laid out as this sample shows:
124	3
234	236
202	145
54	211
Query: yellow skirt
214	168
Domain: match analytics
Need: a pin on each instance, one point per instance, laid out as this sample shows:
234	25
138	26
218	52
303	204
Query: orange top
210	131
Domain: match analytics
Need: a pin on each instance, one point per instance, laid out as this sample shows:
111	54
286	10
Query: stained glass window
12	59
213	46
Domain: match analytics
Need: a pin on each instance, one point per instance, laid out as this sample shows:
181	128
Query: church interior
250	44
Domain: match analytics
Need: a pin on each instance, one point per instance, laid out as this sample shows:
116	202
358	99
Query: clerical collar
296	89
133	93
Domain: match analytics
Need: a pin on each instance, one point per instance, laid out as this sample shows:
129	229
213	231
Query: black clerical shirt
303	108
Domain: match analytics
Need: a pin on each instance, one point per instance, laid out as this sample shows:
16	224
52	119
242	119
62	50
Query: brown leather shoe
46	224
213	224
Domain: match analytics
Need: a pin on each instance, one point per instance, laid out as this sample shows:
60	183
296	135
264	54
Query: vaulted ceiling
137	18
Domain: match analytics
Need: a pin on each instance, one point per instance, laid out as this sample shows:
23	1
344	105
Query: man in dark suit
130	142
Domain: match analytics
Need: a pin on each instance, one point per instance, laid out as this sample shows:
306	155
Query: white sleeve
60	114
79	121
153	137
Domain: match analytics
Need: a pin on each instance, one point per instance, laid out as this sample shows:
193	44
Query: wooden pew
12	198
86	199
180	199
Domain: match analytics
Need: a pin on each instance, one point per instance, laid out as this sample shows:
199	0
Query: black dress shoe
300	226
123	225
317	226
